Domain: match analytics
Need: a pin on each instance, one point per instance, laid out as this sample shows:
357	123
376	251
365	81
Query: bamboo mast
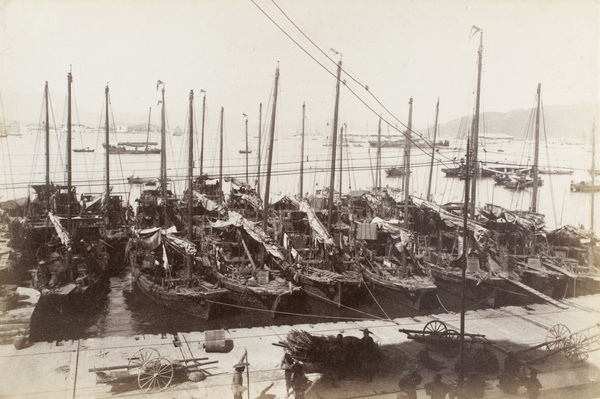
378	166
163	156
407	142
270	155
259	145
221	159
534	169
107	153
593	174
475	127
302	152
437	111
247	181
333	143
341	156
69	181
47	137
464	269
202	140
190	208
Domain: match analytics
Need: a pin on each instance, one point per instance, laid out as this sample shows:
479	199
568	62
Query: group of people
295	379
513	377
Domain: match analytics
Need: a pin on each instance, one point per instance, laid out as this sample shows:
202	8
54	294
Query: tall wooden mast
534	170
69	181
302	152
247	181
407	142
437	111
333	143
341	156
190	204
69	164
593	172
47	135
163	155
221	159
107	156
259	145
475	127
378	161
270	155
202	138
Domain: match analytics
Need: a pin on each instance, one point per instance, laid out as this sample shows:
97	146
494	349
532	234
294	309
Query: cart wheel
155	375
449	343
577	348
435	327
142	356
556	338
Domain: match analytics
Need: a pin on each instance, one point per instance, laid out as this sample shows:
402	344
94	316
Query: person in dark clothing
369	352
408	384
533	385
300	383
436	389
286	364
237	386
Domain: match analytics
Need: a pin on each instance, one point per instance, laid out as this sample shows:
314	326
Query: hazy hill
560	121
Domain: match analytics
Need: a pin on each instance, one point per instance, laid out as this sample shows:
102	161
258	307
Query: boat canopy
530	221
453	221
237	220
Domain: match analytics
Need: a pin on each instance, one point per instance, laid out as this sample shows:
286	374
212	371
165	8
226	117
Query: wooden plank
537	293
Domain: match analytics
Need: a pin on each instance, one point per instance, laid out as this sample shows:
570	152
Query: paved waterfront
61	369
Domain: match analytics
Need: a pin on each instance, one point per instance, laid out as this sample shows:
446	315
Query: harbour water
127	312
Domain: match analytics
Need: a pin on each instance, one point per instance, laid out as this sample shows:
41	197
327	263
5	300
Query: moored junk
158	263
254	270
324	271
489	279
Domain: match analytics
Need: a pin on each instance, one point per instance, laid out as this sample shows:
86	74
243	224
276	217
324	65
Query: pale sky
400	49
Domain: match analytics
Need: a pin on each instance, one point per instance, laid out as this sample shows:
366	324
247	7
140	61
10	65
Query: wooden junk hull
271	300
555	286
67	303
202	304
331	288
412	293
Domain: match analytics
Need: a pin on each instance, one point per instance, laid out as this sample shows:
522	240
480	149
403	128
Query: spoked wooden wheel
155	375
556	338
435	327
577	348
142	356
449	343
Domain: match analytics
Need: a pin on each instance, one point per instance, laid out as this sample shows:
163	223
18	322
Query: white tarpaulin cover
256	233
206	203
181	243
150	238
396	232
320	232
60	231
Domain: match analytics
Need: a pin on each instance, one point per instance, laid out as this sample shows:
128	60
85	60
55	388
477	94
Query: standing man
237	386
